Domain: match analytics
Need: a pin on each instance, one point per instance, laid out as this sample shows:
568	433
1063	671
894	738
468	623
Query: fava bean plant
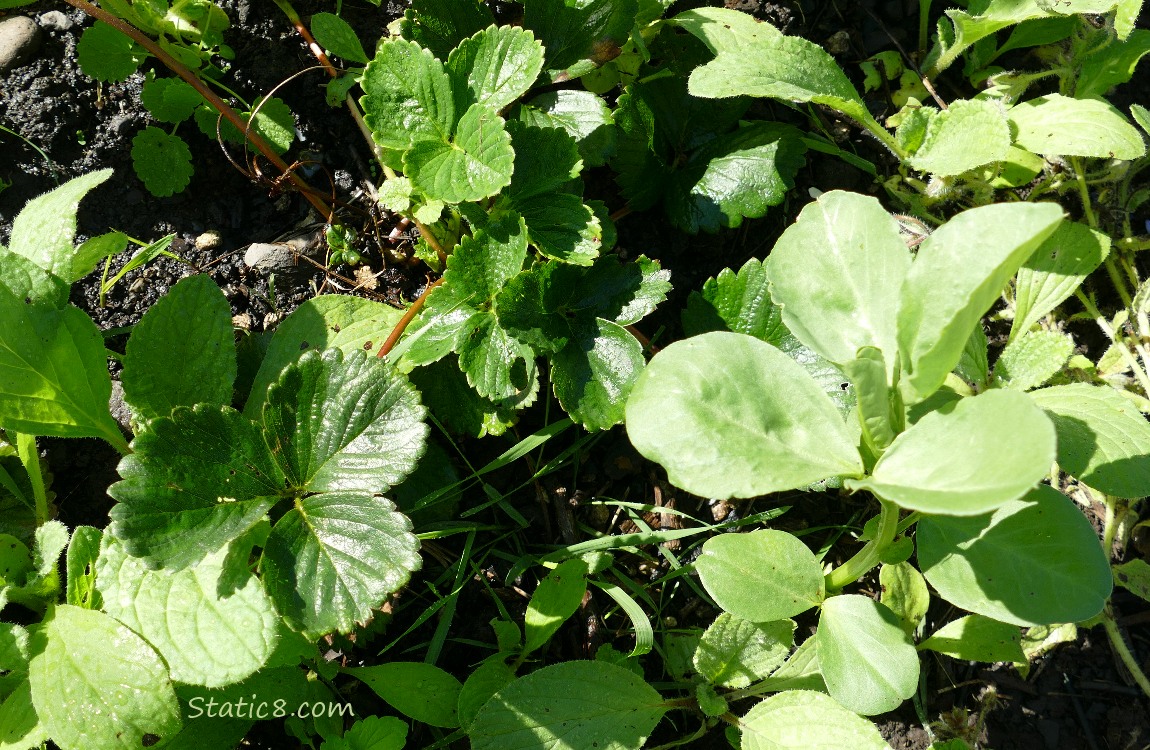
278	502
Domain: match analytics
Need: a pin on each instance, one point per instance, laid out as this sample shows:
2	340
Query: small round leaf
761	576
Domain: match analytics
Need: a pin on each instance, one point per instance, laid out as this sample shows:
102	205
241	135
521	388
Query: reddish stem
401	326
210	96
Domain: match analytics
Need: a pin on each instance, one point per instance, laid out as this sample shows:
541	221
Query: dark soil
1076	697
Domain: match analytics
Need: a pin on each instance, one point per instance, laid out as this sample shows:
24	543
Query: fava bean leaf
762	576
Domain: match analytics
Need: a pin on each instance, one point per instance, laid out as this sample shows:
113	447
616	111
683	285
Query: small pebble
839	43
271	319
54	20
268	256
209	240
242	321
19	40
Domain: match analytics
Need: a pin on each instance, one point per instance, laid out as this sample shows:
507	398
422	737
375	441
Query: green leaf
570	706
194	482
880	416
15	561
556	598
26	280
1032	359
170	100
1111	65
337	37
494	67
1034	561
376	733
45	228
989	450
734	652
274	121
904	592
440	26
106	54
330	321
422	691
497	365
334	557
344	424
562	227
584	116
1141	116
737	175
546	159
475	164
868	661
487	680
595	373
724	29
762	576
738	302
446	393
956	277
801	671
977	638
53	372
83	552
205	638
1103	440
836	272
20	727
407	96
730	416
579	35
781	67
95	249
1134	576
163	161
191	326
804	718
1056	125
969	134
96	684
1054	271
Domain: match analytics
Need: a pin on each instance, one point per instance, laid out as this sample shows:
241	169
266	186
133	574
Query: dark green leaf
593	375
546	158
584	116
334	557
106	54
424	692
170	99
579	35
337	37
440	26
562	227
163	161
274	121
181	352
555	599
977	638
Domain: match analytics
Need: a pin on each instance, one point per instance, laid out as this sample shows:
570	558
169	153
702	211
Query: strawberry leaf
407	96
494	67
474	164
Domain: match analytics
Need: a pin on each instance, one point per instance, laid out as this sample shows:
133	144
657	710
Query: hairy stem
1118	643
1123	349
30	457
869	556
210	96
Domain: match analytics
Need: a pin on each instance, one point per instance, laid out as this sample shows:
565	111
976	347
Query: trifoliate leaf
163	161
476	163
106	54
581	36
562	227
205	638
170	99
735	176
495	67
191	325
440	26
585	117
334	557
545	160
407	96
967	135
275	122
337	37
95	683
341	423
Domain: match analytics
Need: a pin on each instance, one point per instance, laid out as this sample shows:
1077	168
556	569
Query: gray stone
19	40
54	20
272	257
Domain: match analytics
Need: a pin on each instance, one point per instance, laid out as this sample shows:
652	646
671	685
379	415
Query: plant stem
210	96
1110	526
869	556
411	312
1135	367
1118	643
30	457
923	25
1084	192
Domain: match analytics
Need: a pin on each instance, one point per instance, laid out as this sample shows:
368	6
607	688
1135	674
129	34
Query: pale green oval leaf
762	576
804	718
424	692
730	416
1054	271
181	353
341	423
554	600
904	592
1035	561
335	557
969	134
837	272
107	54
1103	440
575	705
958	274
988	450
205	637
724	28
96	685
337	37
494	67
734	652
977	638
867	660
1056	125
20	727
476	164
